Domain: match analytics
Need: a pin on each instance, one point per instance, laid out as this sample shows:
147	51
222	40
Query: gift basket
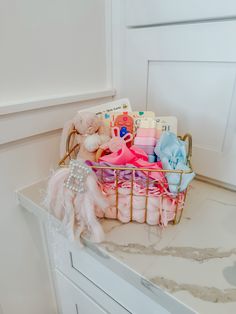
141	185
119	164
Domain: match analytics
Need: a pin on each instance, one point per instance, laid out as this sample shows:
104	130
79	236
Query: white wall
24	277
55	58
52	48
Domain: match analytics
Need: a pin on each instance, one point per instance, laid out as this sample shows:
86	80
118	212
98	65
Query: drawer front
78	267
73	300
117	294
92	291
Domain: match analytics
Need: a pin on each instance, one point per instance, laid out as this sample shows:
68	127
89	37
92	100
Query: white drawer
96	294
73	300
79	264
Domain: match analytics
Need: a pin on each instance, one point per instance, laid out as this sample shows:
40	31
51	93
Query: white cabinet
79	277
187	70
92	273
73	300
200	95
159	12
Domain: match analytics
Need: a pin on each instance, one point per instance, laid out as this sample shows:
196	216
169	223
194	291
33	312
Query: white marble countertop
194	261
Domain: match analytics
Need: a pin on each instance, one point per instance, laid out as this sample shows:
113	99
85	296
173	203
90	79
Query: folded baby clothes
136	157
110	212
99	212
152	158
146	132
146	143
139	202
125	181
157	175
155	210
143	141
124	209
172	152
138	210
148	149
153	218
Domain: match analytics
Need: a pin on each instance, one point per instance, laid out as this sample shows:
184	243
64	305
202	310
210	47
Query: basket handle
188	138
68	140
69	150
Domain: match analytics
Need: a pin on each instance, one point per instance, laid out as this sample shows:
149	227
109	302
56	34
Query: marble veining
210	294
193	262
196	254
221	202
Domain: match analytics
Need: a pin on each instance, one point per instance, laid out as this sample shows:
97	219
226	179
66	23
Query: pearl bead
77	177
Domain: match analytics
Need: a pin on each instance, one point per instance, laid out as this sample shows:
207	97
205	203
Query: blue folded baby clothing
152	158
172	152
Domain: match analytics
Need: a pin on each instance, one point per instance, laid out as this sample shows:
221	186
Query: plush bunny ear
65	132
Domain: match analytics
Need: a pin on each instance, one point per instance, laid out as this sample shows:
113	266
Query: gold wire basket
178	198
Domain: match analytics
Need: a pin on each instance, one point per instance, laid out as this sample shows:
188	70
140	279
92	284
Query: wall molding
152	13
53	101
185	22
218	183
19	125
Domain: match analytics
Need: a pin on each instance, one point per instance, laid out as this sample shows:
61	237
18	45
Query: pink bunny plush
91	134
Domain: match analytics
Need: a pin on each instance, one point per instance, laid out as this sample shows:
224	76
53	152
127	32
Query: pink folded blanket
155	210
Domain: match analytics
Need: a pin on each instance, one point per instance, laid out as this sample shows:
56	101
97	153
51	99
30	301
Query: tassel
79	215
75	204
68	127
54	197
93	188
94	227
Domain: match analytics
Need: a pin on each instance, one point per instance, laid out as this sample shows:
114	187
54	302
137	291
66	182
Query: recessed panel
198	93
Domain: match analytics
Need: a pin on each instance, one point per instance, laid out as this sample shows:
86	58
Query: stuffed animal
91	134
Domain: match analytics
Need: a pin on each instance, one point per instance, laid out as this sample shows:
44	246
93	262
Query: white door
181	60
